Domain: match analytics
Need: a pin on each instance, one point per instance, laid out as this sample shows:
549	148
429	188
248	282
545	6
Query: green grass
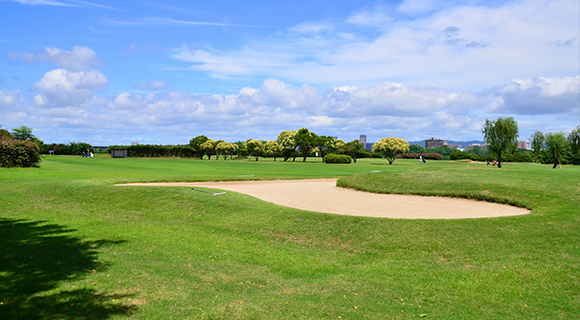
74	245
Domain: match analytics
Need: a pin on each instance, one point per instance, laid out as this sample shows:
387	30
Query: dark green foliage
305	142
376	155
22	133
5	134
337	158
427	156
574	146
196	143
18	153
415	148
356	150
152	150
501	135
459	155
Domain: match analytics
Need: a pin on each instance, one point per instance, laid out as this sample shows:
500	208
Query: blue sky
113	72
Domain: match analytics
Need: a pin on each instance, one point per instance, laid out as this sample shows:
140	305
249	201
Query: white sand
322	195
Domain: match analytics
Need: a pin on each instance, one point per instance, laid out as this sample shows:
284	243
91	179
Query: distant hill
463	144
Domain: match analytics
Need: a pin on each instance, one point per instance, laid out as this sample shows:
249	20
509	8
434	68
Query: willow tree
391	147
557	146
500	135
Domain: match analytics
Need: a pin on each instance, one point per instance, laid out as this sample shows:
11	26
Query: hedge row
18	153
150	150
337	158
426	156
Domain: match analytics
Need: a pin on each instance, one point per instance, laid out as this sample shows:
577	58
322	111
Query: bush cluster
18	153
74	148
337	158
426	156
150	150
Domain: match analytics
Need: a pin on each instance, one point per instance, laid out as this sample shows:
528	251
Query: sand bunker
322	195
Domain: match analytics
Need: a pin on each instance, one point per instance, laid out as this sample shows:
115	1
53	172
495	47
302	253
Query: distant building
434	143
369	146
482	147
454	146
134	143
363	139
525	144
366	145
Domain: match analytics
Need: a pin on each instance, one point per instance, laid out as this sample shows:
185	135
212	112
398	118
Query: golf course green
73	245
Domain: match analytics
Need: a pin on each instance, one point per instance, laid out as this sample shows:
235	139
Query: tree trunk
499	162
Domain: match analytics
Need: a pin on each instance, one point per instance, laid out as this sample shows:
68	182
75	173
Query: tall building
363	139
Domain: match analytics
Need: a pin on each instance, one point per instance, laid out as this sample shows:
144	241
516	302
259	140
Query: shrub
376	155
459	155
151	150
18	153
337	158
426	156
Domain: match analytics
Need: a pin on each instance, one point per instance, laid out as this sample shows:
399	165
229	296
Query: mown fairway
74	245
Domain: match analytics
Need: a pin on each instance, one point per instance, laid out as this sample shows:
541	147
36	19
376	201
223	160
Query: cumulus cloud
80	58
69	101
152	85
60	87
11	100
538	96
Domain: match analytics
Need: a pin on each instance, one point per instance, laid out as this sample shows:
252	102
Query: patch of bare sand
322	195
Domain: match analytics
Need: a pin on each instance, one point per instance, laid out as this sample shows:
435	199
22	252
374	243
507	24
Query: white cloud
538	96
465	47
67	102
60	88
11	100
78	59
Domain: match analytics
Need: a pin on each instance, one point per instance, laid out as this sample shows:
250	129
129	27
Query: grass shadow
35	258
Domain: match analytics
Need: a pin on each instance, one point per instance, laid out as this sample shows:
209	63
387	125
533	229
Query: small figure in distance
488	163
421	158
84	154
50	152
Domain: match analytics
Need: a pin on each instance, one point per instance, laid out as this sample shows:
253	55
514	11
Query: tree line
500	135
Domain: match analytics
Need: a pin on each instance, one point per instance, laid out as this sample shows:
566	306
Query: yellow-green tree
288	143
209	148
391	147
254	147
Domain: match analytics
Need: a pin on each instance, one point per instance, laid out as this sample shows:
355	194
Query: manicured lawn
74	245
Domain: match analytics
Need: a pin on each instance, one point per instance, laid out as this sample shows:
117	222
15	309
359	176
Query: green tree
391	147
208	147
415	148
354	149
196	143
5	134
273	148
225	149
254	148
501	135
287	143
305	142
557	146
537	140
22	133
574	145
323	144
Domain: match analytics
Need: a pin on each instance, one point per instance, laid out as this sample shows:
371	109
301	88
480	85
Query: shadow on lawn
34	259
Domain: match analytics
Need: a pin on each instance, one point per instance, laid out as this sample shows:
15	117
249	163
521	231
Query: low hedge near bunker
337	158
